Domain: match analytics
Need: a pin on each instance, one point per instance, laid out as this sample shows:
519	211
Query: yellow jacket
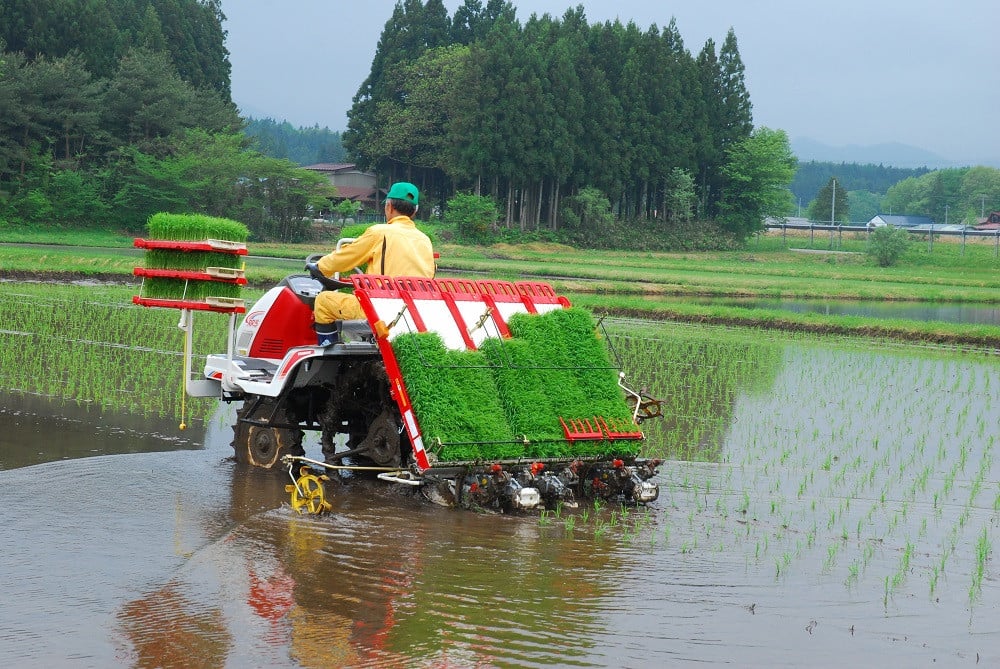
395	248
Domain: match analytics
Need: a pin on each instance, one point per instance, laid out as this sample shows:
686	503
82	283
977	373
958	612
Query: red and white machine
353	394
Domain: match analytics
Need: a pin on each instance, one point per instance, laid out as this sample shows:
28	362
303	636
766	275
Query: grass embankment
643	284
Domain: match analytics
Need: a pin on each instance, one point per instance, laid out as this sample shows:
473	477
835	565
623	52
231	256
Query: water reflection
384	580
33	432
160	555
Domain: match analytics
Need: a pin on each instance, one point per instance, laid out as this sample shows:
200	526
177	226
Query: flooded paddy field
823	503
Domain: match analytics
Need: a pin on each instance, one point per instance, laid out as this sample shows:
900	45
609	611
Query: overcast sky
852	72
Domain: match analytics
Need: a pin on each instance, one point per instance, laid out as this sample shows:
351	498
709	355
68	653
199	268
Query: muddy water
134	547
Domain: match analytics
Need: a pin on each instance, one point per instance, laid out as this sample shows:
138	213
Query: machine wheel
308	494
263	446
381	444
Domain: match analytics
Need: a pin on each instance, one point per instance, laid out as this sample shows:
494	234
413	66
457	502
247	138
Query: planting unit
481	394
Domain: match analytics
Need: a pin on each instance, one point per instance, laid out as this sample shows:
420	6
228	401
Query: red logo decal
253	318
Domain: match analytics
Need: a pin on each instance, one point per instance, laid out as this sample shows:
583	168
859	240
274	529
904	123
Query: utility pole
833	203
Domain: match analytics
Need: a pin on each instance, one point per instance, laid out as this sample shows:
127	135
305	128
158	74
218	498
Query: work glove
313	270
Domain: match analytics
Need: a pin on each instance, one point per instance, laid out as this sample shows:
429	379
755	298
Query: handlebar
334	282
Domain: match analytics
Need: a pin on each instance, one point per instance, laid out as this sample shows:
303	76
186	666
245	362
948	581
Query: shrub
474	217
590	209
887	244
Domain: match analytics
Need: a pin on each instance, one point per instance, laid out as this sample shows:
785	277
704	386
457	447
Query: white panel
471	313
434	314
546	308
387	309
437	318
508	309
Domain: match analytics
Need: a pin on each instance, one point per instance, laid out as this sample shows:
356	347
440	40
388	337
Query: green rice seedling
90	345
194	261
853	572
982	554
904	566
554	367
522	391
195	227
193	290
831	556
455	399
192	227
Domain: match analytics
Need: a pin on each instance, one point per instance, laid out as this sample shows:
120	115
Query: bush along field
510	398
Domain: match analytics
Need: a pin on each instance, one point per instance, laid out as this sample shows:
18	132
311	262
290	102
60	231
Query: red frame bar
575	430
186	304
397	387
186	275
375	285
174	245
537	292
616	431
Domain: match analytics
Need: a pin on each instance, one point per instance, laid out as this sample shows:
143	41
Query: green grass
17	234
640	283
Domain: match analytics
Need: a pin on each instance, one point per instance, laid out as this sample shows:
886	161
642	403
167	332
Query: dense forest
959	195
532	114
596	134
812	176
102	33
303	146
112	111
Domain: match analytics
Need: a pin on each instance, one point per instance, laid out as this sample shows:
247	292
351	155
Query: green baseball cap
401	190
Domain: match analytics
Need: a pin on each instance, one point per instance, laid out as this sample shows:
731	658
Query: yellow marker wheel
308	494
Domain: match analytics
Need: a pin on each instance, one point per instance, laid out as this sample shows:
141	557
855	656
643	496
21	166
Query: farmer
393	248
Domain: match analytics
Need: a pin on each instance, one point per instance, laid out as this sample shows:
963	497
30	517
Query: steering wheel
327	282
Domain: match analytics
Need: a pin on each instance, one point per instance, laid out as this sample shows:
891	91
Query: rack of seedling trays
192	263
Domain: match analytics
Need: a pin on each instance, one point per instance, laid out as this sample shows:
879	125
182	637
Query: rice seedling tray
223	305
216	245
218	274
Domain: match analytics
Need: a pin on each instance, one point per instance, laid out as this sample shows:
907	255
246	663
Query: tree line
303	146
959	195
189	33
112	111
813	175
534	114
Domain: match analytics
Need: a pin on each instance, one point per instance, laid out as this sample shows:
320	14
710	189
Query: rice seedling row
813	459
89	344
868	466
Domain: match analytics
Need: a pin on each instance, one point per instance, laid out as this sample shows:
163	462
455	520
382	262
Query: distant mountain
890	154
